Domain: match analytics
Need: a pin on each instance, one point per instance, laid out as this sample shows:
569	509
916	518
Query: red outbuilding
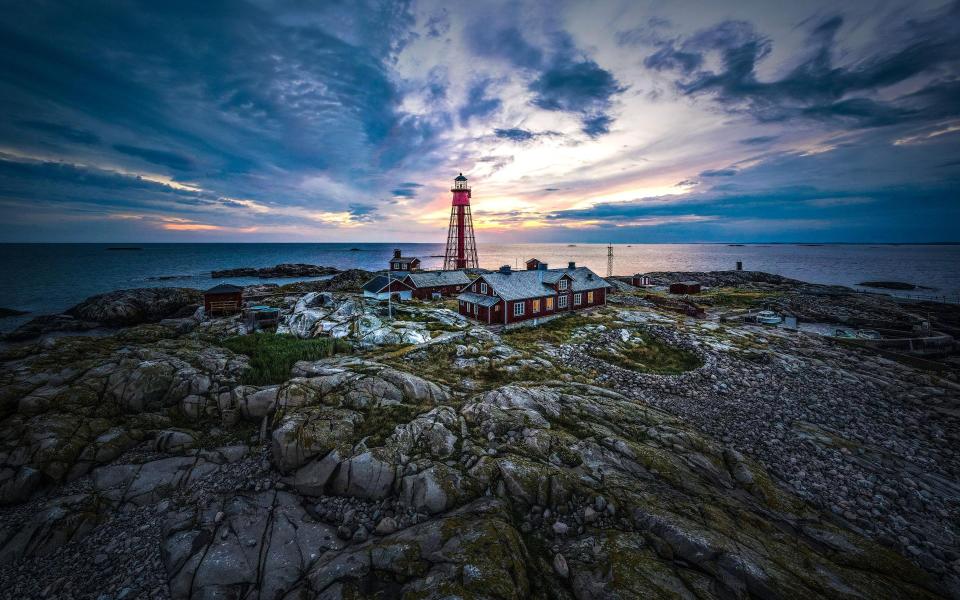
223	299
685	287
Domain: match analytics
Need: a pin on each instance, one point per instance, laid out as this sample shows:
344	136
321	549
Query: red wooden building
223	299
404	263
685	287
426	284
507	296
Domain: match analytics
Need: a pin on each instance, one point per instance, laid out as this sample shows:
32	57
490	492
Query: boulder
139	305
309	432
174	441
261	543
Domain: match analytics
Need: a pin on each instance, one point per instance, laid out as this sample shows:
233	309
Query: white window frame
577	299
519	308
563	284
562	301
483	288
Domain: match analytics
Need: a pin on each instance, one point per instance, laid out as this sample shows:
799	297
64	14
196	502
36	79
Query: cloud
718	173
406	190
758	140
64	132
363	213
478	104
847	201
175	161
817	88
519	135
564	80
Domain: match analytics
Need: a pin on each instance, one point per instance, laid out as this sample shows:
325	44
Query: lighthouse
461	246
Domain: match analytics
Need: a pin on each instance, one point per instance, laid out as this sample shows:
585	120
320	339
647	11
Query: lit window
589	297
563	284
577	298
550	303
561	301
483	288
518	309
536	306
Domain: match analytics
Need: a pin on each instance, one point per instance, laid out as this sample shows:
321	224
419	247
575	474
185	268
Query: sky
624	122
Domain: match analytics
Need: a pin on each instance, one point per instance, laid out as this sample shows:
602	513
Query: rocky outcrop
322	314
564	465
282	270
140	305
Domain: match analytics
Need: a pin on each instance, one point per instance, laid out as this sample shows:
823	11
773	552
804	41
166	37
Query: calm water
46	278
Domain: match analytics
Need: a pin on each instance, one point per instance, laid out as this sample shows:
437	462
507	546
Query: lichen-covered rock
473	552
309	432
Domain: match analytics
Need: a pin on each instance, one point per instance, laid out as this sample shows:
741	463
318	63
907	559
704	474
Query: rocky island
630	451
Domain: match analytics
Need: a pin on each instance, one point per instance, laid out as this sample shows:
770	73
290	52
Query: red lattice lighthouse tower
461	246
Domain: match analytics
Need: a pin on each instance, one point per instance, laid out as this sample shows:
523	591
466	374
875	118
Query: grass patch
735	298
652	356
554	332
272	356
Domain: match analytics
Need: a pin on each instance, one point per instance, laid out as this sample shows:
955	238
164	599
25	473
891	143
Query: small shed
223	299
534	264
404	263
382	287
685	287
639	280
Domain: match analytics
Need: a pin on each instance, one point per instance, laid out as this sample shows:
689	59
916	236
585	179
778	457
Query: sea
49	278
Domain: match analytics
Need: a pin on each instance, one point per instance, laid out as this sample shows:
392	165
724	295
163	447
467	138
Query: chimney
571	265
396	252
505	269
542	266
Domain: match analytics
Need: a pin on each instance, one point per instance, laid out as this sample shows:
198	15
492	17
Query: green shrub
272	356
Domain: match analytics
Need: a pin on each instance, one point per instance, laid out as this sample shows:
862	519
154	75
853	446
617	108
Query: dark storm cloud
479	104
363	213
758	140
406	190
173	160
817	88
564	80
506	43
520	135
64	132
236	90
718	173
515	134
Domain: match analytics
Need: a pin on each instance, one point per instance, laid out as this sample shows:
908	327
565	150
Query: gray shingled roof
404	259
517	285
480	299
378	283
424	279
224	288
584	279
